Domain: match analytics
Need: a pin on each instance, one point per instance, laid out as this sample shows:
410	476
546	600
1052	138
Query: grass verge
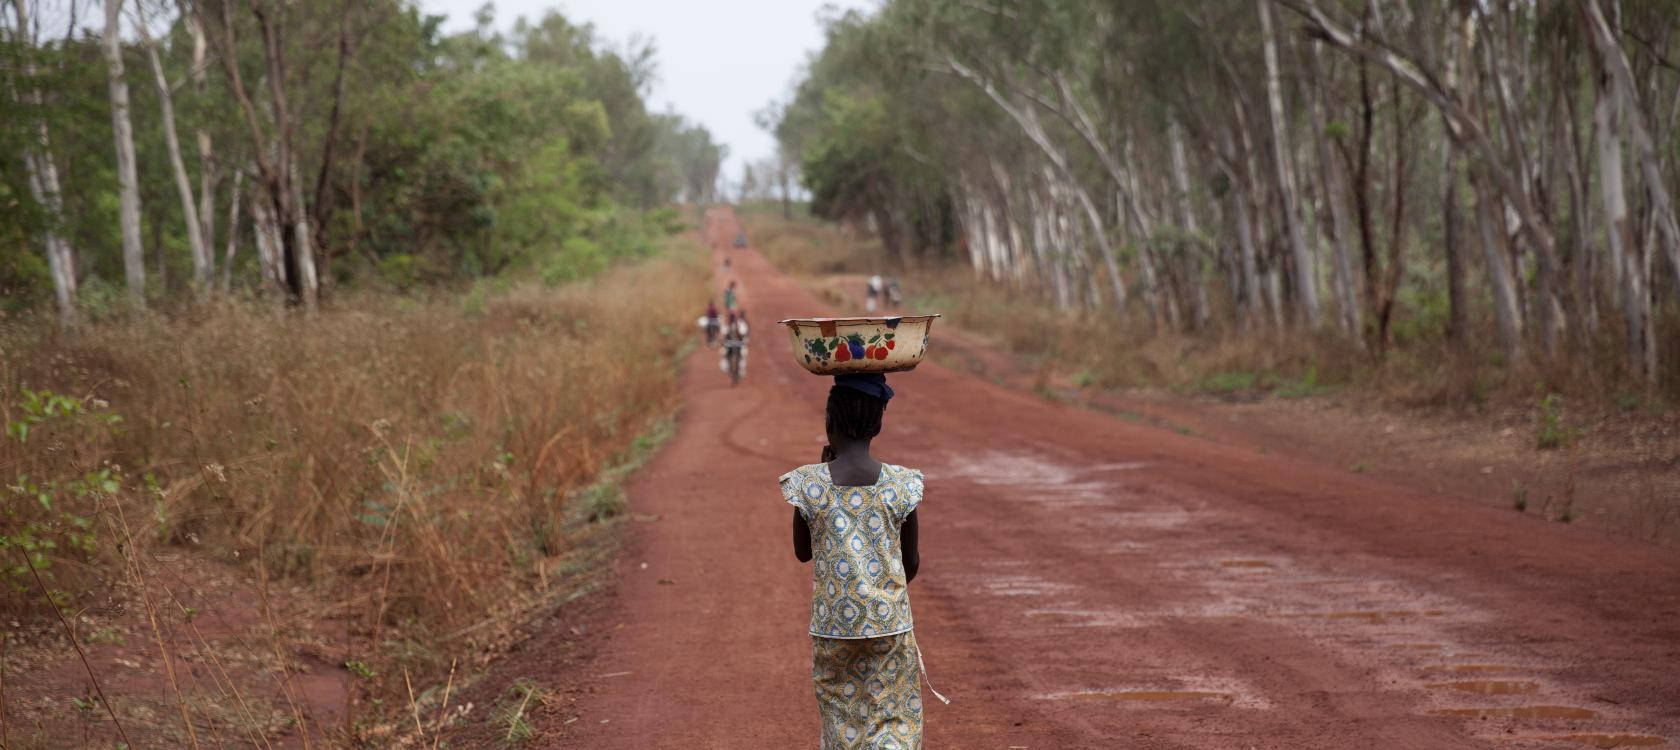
430	467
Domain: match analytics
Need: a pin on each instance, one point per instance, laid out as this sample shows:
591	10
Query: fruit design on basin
852	346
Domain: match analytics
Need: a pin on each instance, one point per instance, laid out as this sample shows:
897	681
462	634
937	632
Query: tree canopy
326	142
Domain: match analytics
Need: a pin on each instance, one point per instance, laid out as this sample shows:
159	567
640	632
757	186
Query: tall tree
197	243
128	183
1306	284
41	163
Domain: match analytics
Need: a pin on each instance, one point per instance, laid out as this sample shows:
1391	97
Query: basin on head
835	346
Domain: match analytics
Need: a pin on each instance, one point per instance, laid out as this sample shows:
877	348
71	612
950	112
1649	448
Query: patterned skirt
869	692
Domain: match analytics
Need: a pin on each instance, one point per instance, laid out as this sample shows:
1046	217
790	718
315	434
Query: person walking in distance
733	356
745	333
872	295
856	516
729	296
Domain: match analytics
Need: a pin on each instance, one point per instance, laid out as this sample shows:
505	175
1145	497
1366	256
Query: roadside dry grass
1096	348
428	469
803	246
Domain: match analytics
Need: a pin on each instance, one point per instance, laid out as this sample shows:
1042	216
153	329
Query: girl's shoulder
806	473
900	473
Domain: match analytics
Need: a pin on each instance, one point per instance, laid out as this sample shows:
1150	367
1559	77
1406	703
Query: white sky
719	62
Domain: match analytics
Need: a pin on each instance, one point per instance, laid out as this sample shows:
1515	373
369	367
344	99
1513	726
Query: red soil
1089	582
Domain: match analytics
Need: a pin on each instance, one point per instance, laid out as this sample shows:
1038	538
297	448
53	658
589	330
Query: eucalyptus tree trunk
1061	228
1126	198
128	184
270	261
1645	151
1253	219
197	243
1305	281
232	231
1241	262
1629	268
1029	124
1192	227
782	179
40	163
280	216
304	244
1337	229
43	184
1181	177
207	168
1046	239
1507	311
1006	213
1068	107
1547	313
1586	260
1464	127
1451	232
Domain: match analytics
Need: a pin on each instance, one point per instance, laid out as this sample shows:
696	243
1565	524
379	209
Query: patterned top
857	579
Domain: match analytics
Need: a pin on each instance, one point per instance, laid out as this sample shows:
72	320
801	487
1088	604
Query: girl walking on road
856	516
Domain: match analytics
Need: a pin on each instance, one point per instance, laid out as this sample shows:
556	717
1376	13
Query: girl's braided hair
854	414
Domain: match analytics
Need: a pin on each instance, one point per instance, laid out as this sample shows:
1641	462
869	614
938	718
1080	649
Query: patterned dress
864	661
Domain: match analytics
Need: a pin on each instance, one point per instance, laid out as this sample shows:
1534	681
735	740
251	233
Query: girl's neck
852	464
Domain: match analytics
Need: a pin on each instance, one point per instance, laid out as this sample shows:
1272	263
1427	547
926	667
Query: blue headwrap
869	383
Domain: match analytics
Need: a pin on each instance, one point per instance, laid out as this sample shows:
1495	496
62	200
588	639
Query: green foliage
399	270
1234	381
462	155
52	502
1628	401
861	126
512	716
1305	387
1553	434
604	500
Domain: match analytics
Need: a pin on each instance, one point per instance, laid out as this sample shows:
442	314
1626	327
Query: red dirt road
1089	582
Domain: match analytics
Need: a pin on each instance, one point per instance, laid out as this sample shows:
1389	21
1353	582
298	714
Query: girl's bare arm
801	538
907	539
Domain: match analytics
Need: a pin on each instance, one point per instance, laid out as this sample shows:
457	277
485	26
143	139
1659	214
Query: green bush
54	493
400	270
1553	433
1233	381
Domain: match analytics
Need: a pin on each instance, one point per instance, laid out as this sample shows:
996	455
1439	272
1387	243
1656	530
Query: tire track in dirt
1092	583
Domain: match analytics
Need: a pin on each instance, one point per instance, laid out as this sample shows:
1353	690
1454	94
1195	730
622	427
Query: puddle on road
1613	740
1488	687
1521	712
